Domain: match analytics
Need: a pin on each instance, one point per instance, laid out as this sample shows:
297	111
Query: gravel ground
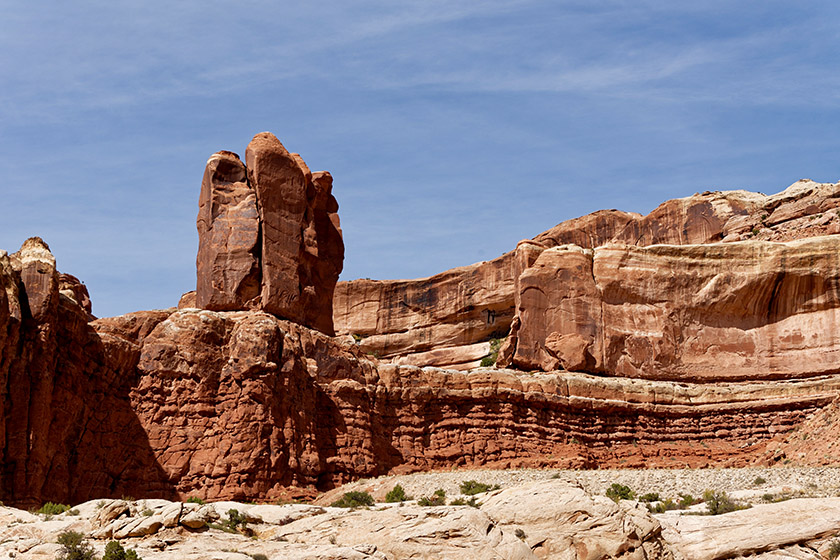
668	483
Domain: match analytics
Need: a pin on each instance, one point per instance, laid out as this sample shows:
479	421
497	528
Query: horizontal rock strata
241	392
242	405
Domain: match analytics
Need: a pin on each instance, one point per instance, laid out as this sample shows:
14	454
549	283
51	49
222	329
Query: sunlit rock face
745	310
448	320
269	236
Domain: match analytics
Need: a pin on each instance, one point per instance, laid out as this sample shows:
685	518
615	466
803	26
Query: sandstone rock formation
269	236
743	310
240	392
798	527
67	430
547	520
243	405
402	320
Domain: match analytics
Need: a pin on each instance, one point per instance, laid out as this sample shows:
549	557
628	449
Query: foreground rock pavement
548	519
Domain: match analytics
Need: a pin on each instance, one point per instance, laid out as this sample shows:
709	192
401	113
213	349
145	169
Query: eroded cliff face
725	311
243	405
402	320
704	350
68	430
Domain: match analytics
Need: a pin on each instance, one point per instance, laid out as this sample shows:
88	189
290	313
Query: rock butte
699	335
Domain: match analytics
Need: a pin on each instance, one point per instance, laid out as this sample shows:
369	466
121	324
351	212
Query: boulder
562	521
111	510
198	516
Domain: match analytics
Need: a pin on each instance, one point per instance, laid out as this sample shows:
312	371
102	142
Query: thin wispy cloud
453	129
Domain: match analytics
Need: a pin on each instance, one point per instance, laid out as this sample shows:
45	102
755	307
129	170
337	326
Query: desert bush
354	499
490	360
650	497
462	502
195	500
717	502
618	492
834	549
258	556
397	494
437	499
687	500
665	505
471	487
74	547
115	551
52	509
235	520
758	481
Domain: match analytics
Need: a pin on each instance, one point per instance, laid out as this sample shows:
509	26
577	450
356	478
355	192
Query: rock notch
269	236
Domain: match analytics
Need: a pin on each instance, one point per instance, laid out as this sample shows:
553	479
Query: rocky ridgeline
705	355
546	293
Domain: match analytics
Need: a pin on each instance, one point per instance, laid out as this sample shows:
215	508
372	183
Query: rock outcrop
546	520
402	320
801	528
269	236
241	392
745	310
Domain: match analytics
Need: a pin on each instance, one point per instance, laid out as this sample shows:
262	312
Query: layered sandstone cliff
241	393
244	405
745	310
457	312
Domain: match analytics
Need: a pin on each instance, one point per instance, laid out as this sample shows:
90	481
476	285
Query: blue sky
452	129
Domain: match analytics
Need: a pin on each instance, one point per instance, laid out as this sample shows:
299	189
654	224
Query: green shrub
687	500
462	502
438	499
650	497
471	487
758	481
52	509
618	492
397	494
490	360
665	505
74	547
195	500
258	556
115	551
718	502
353	500
235	520
834	550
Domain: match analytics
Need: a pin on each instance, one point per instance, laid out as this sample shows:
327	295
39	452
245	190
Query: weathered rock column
269	236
